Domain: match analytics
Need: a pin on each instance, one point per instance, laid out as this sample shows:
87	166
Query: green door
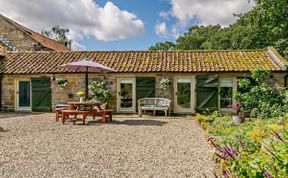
145	88
41	94
207	92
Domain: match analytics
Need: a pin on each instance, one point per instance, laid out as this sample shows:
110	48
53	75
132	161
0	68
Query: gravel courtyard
34	145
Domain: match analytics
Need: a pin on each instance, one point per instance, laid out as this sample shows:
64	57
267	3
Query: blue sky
148	11
122	24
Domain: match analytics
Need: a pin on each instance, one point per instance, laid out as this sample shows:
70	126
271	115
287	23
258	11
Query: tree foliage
59	34
196	37
265	25
162	46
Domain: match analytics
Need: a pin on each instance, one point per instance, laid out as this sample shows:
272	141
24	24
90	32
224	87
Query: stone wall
21	40
8	93
169	93
76	82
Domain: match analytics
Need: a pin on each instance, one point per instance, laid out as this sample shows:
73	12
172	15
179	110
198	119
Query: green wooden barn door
207	93
145	88
41	94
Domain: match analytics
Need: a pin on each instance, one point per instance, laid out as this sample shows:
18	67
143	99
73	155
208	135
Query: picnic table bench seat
67	113
154	104
58	112
105	114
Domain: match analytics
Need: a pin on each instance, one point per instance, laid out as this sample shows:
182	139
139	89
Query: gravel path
36	146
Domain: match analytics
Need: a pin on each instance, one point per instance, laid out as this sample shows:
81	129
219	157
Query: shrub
223	122
269	161
204	125
259	97
256	134
100	91
201	118
256	148
214	116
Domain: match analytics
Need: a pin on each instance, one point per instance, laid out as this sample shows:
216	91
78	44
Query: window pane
126	93
24	93
184	94
226	82
226	95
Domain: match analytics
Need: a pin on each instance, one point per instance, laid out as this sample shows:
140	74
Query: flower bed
256	148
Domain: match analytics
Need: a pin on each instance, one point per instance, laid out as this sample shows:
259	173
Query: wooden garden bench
154	104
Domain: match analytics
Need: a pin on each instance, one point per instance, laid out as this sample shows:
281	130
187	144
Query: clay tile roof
147	61
43	40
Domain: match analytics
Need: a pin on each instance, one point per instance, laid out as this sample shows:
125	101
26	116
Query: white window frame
133	108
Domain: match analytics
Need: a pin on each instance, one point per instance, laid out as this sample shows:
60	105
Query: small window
226	92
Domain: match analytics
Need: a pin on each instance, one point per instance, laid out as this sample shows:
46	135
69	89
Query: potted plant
100	91
81	95
165	83
238	118
62	83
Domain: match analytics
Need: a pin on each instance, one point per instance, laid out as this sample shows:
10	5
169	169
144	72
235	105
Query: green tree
162	46
196	37
59	34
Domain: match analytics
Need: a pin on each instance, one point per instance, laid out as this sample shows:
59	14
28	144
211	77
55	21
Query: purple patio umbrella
87	66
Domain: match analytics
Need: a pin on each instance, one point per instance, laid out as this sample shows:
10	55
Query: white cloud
84	18
208	12
174	31
161	29
165	15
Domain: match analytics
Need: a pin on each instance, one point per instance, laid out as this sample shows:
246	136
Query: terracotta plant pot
238	119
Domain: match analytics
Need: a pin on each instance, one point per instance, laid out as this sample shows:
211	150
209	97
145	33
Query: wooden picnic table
78	105
90	109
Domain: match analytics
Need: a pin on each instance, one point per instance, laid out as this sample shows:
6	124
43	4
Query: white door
23	95
184	95
126	95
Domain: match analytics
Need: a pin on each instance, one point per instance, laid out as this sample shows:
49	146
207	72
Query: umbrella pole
86	84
